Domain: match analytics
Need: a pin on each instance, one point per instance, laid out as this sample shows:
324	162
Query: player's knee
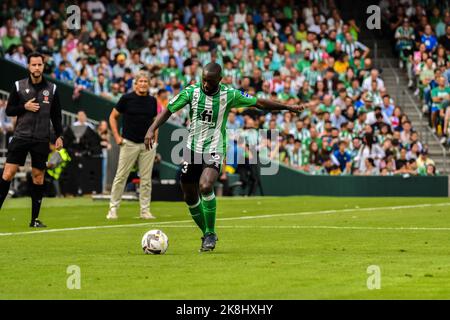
38	179
8	175
206	188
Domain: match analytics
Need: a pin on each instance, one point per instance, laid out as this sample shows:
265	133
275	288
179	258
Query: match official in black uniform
35	102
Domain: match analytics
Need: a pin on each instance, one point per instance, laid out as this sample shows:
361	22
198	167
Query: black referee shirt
138	114
35	125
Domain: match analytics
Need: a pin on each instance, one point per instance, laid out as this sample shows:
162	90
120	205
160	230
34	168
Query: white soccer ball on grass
155	242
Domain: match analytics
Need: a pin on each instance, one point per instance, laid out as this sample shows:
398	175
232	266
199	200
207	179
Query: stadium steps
412	106
396	82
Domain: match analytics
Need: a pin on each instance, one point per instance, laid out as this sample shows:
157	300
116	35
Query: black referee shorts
19	148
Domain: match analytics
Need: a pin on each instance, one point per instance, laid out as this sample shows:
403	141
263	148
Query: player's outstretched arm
266	104
151	132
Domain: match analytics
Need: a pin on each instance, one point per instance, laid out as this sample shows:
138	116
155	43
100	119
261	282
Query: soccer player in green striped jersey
209	104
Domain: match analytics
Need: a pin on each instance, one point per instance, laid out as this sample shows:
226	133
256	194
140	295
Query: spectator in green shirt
327	105
305	62
10	38
440	96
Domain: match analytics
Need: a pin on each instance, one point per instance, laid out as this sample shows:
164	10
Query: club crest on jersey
46	93
196	95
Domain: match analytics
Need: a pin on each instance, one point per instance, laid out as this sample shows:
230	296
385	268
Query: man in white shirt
241	14
83	120
337	119
367	83
315	27
19	57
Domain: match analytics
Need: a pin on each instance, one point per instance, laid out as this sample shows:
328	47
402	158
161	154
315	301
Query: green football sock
197	214
209	211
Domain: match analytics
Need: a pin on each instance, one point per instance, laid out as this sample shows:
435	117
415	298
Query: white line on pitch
228	219
323	227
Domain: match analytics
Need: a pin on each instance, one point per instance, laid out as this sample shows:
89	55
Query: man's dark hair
226	59
35	55
371	161
120	33
161	91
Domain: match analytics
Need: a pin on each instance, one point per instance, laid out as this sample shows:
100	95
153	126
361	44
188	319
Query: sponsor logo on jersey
245	94
207	123
171	101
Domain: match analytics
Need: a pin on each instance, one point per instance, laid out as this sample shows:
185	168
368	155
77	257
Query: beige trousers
129	153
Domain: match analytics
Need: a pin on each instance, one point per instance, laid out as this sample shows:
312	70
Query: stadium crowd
284	50
420	33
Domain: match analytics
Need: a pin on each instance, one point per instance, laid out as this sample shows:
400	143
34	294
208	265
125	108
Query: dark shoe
37	224
209	242
201	247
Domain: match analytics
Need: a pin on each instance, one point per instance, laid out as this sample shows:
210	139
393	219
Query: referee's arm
55	115
14	107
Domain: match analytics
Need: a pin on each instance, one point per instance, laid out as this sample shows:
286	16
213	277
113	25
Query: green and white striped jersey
235	75
407	36
209	115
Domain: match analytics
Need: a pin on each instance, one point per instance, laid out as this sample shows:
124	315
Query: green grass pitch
269	248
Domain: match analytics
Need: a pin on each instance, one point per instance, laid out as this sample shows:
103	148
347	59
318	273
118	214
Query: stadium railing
425	132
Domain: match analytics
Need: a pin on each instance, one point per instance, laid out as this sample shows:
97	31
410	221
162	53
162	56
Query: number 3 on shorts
184	167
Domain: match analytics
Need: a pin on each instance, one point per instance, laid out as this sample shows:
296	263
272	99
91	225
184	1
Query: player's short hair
35	55
214	68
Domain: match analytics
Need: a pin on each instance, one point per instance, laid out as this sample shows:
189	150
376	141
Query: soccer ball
155	242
